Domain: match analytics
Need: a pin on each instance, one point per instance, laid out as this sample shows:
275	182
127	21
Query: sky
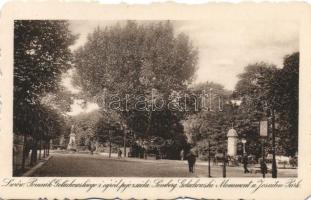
225	48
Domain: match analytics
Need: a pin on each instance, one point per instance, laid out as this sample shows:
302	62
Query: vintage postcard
158	101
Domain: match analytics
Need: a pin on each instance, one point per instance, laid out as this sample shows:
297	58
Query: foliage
85	126
210	124
60	100
263	87
287	108
256	91
144	60
41	55
256	87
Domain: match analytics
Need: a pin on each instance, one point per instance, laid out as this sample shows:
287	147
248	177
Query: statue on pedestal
72	140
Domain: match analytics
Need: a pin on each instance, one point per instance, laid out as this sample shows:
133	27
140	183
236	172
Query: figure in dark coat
245	162
191	157
263	167
119	153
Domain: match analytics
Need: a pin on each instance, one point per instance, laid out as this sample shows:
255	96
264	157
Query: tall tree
138	59
263	87
41	55
212	121
256	90
288	106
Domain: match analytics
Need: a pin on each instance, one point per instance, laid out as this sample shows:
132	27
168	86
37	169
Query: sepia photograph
156	98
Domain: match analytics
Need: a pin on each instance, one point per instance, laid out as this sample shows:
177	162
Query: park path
86	165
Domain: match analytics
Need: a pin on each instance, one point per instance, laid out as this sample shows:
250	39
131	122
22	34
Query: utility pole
224	164
109	132
209	159
24	151
224	158
124	143
263	133
274	168
263	157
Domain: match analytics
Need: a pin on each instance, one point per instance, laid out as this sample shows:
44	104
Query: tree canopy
263	87
145	60
41	55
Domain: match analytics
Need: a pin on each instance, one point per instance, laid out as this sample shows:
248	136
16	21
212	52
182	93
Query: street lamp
274	169
110	133
224	164
263	132
244	142
270	111
209	158
124	139
111	130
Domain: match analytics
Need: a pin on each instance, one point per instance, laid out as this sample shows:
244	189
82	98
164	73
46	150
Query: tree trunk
274	167
124	144
40	146
109	133
109	147
48	148
24	152
44	149
33	159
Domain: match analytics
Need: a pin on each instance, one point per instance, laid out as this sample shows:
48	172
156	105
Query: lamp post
263	132
209	158
263	157
224	171
244	142
109	132
124	140
270	111
274	168
224	164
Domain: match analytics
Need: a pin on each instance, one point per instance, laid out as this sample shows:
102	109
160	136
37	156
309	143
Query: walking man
263	167
245	162
119	153
191	157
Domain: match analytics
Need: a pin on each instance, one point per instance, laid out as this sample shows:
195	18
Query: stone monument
232	142
72	140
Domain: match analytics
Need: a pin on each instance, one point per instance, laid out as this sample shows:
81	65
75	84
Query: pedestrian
263	167
182	155
191	157
245	162
119	153
91	146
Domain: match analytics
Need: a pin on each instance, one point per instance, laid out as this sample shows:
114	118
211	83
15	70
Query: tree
41	55
85	126
60	100
256	90
256	87
212	121
288	106
263	87
137	59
